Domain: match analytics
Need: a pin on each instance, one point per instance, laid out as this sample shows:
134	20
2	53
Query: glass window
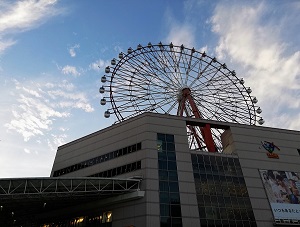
172	166
170	147
174	198
165	222
164	210
162	164
217	193
164	197
124	151
174	187
161	136
176	222
133	147
171	156
162	156
163	175
173	176
175	211
139	146
163	186
170	138
139	165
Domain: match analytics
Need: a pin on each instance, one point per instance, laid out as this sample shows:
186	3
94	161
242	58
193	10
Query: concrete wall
246	142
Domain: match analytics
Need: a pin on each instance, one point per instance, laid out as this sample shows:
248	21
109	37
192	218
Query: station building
142	173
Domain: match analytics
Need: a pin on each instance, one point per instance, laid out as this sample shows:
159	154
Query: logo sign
270	147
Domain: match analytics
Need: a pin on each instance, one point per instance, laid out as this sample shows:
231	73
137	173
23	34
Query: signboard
283	191
270	147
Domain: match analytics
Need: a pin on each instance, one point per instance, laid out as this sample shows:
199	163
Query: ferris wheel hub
183	93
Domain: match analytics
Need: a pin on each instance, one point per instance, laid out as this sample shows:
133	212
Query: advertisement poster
283	191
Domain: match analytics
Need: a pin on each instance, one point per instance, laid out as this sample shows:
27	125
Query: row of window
221	198
119	170
215	160
227	223
218	179
225	213
224	189
98	159
223	201
220	170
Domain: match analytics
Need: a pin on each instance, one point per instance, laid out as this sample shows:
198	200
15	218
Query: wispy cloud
39	106
252	41
99	65
70	70
19	16
179	32
72	51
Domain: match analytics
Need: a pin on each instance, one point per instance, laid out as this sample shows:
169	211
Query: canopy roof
41	200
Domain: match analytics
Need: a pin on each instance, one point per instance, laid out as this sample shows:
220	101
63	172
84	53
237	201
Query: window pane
170	147
171	156
163	175
176	222
164	197
174	187
173	176
172	166
162	156
175	211
161	137
163	186
162	164
169	138
174	198
164	210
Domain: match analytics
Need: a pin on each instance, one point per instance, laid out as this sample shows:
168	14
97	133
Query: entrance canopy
32	201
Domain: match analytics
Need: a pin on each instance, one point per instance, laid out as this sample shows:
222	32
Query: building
141	172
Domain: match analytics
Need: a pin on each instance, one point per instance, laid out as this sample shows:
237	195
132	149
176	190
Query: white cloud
70	70
20	16
99	65
253	42
179	32
72	51
39	106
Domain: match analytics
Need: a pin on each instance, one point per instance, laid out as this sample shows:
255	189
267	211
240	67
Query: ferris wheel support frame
206	130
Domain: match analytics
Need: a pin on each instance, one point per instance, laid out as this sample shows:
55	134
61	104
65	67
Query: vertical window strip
170	209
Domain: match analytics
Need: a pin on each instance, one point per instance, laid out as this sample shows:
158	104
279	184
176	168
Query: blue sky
50	51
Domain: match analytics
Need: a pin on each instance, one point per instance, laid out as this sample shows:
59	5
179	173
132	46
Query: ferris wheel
181	81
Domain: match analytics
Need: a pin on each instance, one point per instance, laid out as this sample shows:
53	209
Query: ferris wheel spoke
155	55
164	74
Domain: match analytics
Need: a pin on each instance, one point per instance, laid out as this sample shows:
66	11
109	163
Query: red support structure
206	130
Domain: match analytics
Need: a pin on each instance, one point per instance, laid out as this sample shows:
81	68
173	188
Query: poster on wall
283	191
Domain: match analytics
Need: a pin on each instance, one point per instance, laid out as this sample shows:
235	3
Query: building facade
253	182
